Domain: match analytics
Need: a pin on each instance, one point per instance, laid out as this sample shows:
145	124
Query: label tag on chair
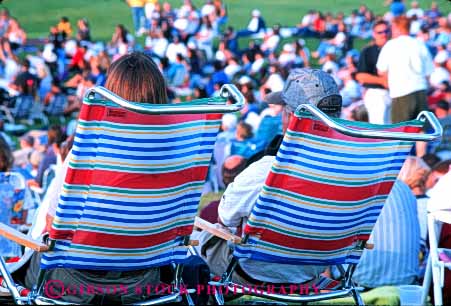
116	113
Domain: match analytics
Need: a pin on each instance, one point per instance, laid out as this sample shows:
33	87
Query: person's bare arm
74	81
367	78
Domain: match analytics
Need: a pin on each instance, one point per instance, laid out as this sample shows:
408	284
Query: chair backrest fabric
23	106
57	105
132	188
324	193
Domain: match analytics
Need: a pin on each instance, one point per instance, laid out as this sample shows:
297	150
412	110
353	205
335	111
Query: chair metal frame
348	286
202	106
435	268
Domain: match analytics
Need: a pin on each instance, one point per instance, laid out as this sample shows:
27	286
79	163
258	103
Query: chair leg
189	300
436	276
357	298
219	298
427	280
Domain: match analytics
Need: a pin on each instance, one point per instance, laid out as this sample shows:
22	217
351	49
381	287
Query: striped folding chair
130	196
321	199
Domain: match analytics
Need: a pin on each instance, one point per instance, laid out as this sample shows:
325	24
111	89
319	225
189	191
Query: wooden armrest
22	239
369	246
36	189
193	242
218	232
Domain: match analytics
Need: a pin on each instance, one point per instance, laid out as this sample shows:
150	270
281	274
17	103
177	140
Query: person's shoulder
401	189
367	49
260	166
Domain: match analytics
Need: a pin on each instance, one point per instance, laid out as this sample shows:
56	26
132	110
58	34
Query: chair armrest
369	246
20	238
212	229
193	243
37	189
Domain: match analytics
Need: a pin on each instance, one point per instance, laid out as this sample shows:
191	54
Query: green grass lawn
36	16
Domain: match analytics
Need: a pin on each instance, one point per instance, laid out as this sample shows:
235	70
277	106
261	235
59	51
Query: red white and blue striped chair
131	193
321	199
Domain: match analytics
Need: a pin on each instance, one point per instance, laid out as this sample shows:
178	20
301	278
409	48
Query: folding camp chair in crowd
12	188
56	107
130	195
25	109
320	201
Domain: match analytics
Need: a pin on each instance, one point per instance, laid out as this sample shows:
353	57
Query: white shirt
157	45
257	65
439	75
220	56
207	9
340	39
286	58
440	194
236	205
11	69
330	67
307	20
271	43
231	70
275	82
173	49
415	11
253	24
408	63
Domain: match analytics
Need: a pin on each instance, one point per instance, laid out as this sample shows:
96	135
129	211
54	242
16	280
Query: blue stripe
116	265
157	202
342	162
188	155
261	204
243	252
150	212
141	149
357	155
126	220
300	225
335	170
140	140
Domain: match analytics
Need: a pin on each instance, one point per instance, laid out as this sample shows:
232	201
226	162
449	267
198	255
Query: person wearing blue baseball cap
303	86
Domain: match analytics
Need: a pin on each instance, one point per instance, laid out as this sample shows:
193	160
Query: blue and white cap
312	86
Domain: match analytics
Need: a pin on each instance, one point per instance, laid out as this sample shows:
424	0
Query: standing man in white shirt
407	64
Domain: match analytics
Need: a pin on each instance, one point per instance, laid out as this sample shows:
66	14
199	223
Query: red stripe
325	191
135	180
302	243
120	115
56	234
128	242
318	128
